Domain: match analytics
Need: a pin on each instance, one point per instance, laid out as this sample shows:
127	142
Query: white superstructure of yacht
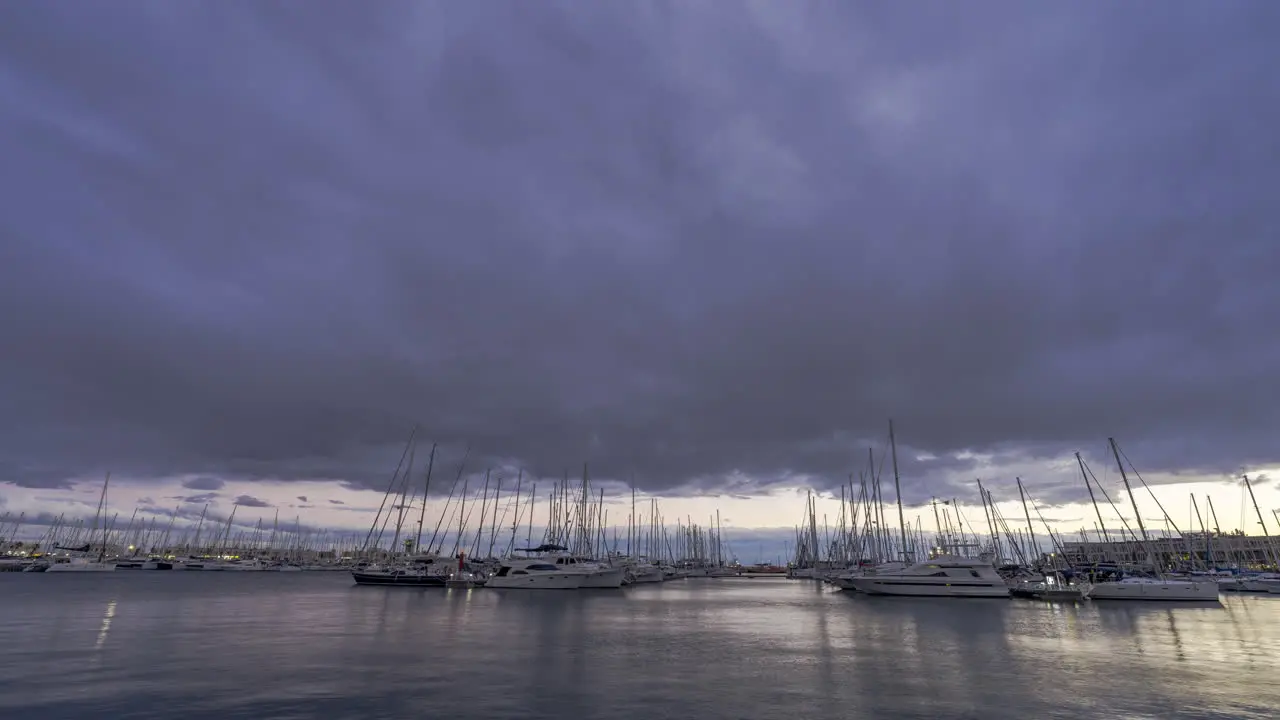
946	576
596	575
534	574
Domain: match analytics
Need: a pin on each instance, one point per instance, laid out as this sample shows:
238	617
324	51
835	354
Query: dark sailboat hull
398	579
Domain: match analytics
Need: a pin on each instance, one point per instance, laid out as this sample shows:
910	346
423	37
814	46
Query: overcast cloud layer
682	241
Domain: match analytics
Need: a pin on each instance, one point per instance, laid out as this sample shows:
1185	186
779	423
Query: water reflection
1177	639
106	625
198	647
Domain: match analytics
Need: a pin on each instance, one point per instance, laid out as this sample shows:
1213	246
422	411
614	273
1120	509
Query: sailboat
81	563
419	570
1119	584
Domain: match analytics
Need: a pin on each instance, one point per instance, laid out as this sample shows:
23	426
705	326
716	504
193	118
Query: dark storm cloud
251	501
203	483
706	246
203	498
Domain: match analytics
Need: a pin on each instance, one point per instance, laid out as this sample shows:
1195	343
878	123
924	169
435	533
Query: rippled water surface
267	645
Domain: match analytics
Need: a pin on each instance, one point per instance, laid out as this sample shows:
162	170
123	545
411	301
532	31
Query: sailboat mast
1031	533
102	504
1115	451
986	512
897	487
1270	547
533	497
1102	526
515	522
426	489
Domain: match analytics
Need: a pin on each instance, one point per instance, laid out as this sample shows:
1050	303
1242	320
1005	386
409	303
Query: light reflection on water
160	645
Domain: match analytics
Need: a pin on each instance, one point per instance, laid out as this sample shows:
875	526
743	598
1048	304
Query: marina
635	361
577	549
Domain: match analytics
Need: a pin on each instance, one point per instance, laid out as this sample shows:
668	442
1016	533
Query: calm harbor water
267	645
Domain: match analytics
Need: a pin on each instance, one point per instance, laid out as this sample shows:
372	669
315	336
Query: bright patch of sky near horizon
782	508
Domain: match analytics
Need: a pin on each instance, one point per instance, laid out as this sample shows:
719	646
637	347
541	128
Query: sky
709	249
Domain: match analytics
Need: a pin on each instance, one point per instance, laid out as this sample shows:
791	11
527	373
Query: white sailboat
1136	587
1121	585
81	563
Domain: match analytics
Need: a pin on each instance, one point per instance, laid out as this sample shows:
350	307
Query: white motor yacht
946	576
534	574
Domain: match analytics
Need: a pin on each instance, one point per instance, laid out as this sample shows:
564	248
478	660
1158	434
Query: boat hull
539	581
398	579
608	578
1062	595
648	575
94	567
1206	591
1256	586
921	587
844	582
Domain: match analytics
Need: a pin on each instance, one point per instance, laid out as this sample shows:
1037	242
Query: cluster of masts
494	519
863	534
143	538
867	556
